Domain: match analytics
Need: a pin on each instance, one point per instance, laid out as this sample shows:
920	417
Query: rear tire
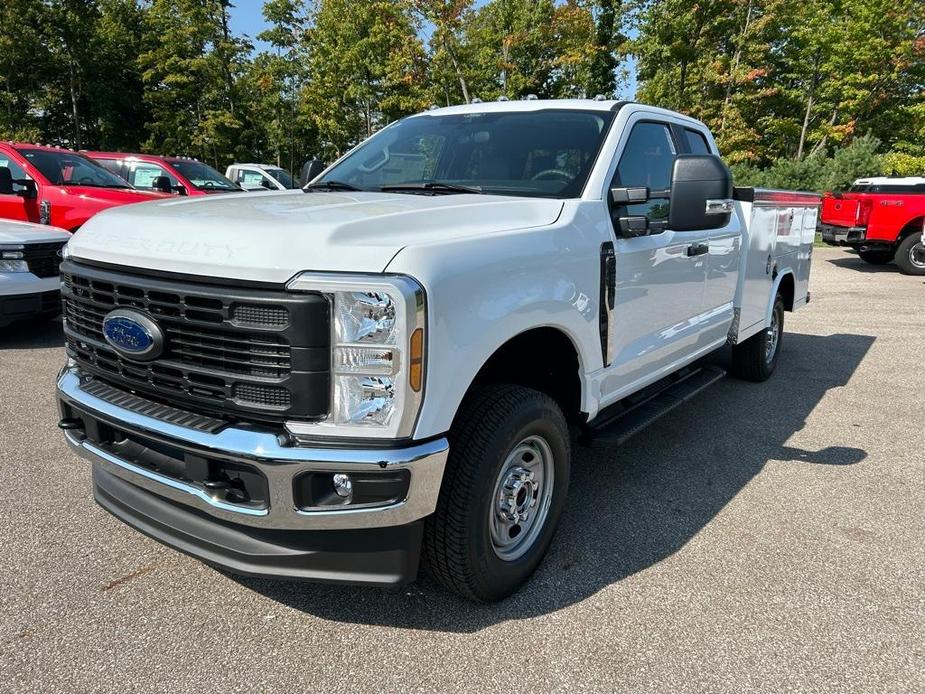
876	257
756	358
509	456
910	255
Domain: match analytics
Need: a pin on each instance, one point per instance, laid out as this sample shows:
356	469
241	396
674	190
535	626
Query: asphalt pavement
764	537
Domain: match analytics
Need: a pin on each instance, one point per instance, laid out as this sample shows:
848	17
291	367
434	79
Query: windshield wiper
435	187
331	185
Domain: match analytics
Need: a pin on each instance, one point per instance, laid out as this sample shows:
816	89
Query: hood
114	196
271	237
26	232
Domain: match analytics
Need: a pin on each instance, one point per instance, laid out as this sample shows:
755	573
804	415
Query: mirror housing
30	190
629	196
701	193
162	184
266	184
631	227
310	171
181	189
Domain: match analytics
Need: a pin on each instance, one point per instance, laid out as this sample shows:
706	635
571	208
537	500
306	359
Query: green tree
272	81
448	59
366	68
190	72
608	40
24	68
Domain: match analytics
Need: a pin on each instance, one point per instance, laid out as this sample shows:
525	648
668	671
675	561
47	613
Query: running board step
629	418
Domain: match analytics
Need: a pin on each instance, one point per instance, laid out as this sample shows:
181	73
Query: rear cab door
724	253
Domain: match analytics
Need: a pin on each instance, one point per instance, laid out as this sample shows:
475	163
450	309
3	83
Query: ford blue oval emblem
133	334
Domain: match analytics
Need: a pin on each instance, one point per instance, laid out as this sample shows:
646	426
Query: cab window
696	142
142	174
646	162
16	171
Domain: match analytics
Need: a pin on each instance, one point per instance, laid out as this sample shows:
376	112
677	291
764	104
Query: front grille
42	259
240	353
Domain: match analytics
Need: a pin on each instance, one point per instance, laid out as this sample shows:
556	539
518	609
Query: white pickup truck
395	362
29	258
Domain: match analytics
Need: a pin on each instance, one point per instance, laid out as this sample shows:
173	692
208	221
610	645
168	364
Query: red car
882	218
56	186
178	175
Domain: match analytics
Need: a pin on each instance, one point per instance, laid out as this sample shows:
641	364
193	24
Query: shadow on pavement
32	334
632	507
854	262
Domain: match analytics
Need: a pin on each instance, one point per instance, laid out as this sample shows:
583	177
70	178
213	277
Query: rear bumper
25	306
145	472
842	236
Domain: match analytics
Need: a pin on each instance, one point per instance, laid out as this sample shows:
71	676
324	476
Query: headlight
11	259
377	354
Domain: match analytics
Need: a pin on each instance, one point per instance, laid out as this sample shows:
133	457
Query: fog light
343	486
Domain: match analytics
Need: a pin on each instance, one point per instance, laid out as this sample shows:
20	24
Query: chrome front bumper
280	465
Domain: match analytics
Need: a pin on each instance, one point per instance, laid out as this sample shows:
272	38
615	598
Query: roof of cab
527	105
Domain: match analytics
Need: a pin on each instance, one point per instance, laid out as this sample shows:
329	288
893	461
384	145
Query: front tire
503	492
756	358
910	255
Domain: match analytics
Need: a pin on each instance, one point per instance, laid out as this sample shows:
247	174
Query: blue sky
247	18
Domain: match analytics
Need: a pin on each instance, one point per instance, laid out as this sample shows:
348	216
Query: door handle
697	249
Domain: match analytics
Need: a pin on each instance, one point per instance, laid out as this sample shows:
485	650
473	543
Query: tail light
864	207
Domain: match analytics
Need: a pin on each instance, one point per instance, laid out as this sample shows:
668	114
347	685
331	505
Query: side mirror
181	189
162	184
266	184
629	227
701	193
30	191
310	171
6	181
629	196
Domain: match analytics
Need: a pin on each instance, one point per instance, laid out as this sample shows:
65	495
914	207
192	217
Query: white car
260	177
327	385
29	258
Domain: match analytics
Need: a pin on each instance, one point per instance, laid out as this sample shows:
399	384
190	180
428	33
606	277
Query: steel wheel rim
917	254
521	498
773	337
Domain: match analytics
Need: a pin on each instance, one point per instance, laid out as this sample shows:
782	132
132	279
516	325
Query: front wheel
756	358
503	492
910	255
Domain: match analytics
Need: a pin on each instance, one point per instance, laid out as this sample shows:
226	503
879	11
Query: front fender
483	292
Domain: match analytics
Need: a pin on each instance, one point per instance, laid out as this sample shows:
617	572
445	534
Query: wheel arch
785	283
912	226
544	358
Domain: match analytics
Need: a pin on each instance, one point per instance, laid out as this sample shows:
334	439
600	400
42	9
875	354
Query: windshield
282	177
202	175
545	153
63	168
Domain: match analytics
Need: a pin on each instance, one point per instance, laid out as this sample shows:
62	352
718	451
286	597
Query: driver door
659	283
15	205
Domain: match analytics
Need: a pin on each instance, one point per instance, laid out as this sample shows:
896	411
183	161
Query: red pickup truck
56	186
177	175
882	218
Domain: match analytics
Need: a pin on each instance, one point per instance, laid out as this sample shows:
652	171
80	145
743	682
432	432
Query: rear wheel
910	255
756	358
875	256
503	491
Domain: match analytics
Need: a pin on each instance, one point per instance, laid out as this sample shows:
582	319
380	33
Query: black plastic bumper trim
373	557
